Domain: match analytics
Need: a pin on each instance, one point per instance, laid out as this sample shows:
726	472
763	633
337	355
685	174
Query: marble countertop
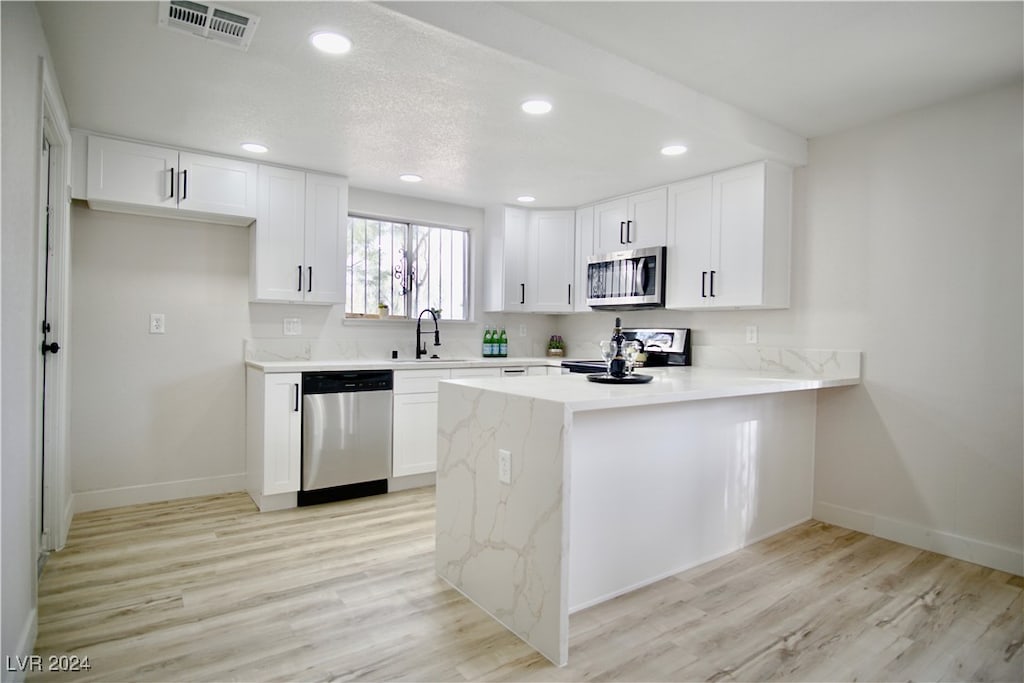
670	385
404	364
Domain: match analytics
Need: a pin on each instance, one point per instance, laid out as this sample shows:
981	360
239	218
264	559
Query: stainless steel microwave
627	279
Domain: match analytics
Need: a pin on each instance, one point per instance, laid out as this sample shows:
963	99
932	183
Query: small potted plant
382	309
556	346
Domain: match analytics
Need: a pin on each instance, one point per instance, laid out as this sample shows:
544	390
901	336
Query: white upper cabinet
549	265
584	249
136	178
631	222
529	261
298	242
729	239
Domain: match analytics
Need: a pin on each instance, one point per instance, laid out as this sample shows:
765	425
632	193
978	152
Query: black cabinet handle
52	347
704	284
296	398
568	298
712	283
622	226
172	182
522	292
629	240
309	281
184	192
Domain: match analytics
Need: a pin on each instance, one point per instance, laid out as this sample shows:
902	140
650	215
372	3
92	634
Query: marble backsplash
824	363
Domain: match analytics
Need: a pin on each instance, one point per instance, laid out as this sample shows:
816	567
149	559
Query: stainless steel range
661	347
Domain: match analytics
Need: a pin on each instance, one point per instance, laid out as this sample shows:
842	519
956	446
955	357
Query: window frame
409	224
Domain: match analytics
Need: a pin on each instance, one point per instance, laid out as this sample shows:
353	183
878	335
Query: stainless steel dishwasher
346	434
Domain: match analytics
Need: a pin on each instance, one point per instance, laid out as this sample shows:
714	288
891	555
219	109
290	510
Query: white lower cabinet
273	445
414	426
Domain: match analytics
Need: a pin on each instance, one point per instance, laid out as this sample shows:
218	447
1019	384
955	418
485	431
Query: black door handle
172	182
309	282
184	192
622	226
300	278
568	299
296	398
52	347
629	240
522	292
704	284
712	283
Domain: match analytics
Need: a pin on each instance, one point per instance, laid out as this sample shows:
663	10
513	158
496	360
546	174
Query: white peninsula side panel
504	545
661	489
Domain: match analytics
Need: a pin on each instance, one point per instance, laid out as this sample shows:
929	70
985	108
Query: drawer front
460	373
419	381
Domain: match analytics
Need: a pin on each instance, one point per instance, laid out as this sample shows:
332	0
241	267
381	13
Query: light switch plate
157	323
292	326
522	330
751	334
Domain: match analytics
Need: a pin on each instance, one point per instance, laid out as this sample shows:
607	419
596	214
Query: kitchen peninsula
555	493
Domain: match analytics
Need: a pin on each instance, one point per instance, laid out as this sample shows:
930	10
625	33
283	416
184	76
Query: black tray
602	378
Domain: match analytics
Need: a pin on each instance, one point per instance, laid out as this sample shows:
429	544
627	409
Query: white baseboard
962	548
26	643
84	501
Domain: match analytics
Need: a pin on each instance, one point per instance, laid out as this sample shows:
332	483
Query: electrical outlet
751	334
157	323
522	330
504	466
292	326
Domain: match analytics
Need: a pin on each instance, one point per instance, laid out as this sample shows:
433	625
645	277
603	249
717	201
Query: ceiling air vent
207	20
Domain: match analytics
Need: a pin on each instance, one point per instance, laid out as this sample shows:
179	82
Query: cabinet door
514	259
737	245
282	433
414	442
584	249
131	173
325	239
550	261
610	226
647	219
688	256
277	238
227	187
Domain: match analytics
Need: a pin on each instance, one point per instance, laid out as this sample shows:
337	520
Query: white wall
23	45
151	410
907	244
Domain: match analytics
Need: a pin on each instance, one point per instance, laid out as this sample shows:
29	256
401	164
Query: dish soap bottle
617	366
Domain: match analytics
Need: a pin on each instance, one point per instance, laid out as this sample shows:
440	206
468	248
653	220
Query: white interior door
53	471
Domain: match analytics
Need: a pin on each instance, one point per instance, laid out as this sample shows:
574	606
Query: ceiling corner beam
505	30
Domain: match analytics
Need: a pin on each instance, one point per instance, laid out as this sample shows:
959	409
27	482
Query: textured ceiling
434	88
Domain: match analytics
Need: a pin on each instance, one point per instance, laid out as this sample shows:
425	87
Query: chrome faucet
422	350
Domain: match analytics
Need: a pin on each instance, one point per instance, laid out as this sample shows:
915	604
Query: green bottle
503	344
487	342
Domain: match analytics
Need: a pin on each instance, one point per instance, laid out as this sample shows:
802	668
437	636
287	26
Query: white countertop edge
576	394
410	364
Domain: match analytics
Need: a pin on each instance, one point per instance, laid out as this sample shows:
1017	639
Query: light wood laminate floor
208	589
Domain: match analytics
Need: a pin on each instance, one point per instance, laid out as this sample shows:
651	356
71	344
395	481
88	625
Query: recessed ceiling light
331	43
526	199
673	150
410	177
254	147
536	106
